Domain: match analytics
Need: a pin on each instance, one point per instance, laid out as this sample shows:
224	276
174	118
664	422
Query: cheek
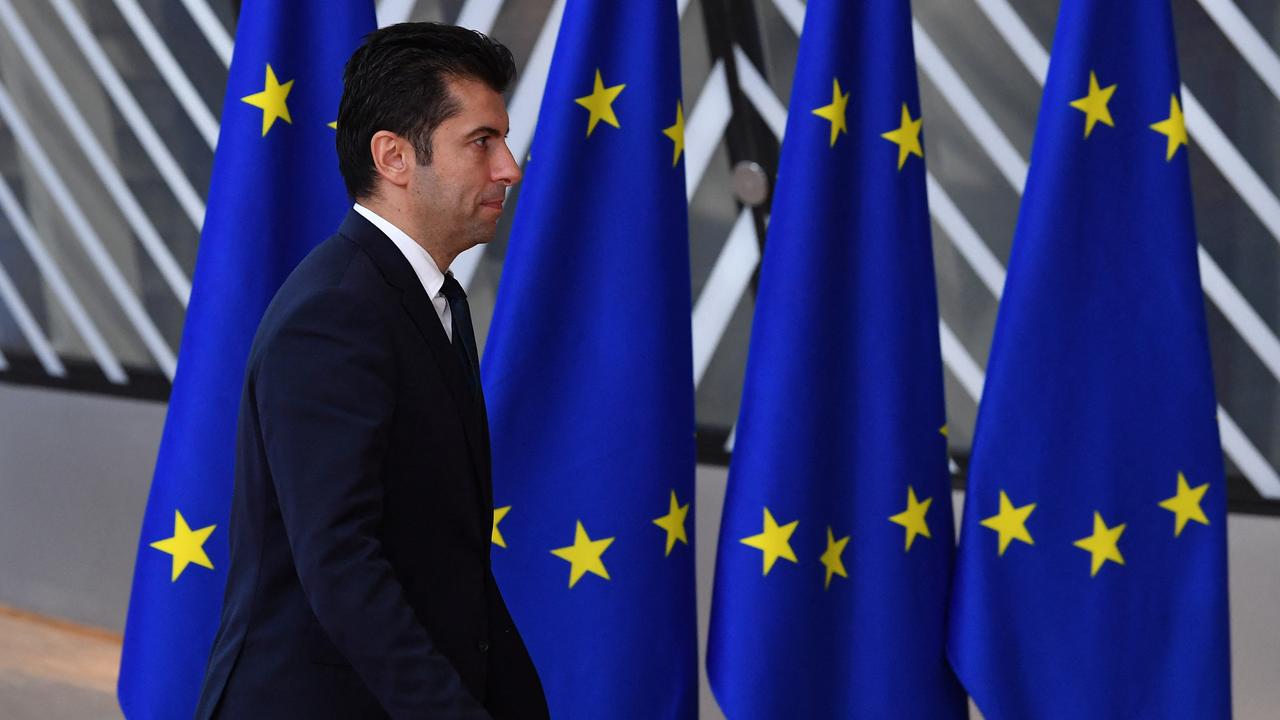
455	182
436	189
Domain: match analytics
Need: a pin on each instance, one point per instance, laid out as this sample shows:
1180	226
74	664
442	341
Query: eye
482	141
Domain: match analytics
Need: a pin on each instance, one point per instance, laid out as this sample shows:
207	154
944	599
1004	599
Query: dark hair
397	81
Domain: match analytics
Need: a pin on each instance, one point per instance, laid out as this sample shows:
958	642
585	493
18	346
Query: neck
396	213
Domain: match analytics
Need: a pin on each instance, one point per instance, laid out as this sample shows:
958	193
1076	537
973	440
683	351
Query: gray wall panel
74	473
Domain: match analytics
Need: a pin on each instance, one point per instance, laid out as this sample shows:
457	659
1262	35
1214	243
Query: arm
324	390
514	688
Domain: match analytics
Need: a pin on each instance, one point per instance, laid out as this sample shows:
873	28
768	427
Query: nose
506	170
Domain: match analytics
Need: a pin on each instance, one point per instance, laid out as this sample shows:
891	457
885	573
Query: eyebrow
485	130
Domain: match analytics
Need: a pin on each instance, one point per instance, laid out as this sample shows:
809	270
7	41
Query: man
359	583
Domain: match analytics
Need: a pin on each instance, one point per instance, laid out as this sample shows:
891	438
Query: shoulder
336	268
336	292
338	262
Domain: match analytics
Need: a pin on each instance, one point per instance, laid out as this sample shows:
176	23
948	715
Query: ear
393	157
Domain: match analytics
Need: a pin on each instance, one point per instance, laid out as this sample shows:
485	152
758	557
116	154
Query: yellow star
1010	522
1103	544
834	112
673	523
1094	105
1173	127
498	514
333	125
774	541
186	546
584	555
1186	505
944	431
907	137
600	104
913	517
676	133
831	557
271	100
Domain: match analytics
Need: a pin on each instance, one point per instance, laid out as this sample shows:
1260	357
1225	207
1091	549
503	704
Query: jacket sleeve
514	690
324	387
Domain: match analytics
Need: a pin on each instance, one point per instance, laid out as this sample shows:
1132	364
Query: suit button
483	646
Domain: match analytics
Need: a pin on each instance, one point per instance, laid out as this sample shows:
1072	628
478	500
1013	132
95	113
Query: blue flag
275	193
588	377
1092	578
836	540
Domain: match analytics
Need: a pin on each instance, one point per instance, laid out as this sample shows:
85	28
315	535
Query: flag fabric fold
275	192
588	377
836	540
1091	577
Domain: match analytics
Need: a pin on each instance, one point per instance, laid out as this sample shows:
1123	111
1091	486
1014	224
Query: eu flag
1091	579
589	379
274	194
836	540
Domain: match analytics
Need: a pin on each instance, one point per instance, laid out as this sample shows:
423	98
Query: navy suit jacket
359	584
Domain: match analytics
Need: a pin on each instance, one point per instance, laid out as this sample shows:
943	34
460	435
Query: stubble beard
482	232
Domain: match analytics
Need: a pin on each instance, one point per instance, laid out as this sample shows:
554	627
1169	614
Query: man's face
460	193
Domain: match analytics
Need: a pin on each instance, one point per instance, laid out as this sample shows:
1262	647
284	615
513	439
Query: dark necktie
464	337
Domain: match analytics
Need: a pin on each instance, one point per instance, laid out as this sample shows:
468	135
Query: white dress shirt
423	265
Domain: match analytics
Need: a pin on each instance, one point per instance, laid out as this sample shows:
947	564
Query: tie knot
452	289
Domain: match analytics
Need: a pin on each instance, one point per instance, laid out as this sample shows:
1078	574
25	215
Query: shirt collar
424	266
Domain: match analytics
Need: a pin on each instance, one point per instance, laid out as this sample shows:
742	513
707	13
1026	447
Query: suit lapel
397	271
